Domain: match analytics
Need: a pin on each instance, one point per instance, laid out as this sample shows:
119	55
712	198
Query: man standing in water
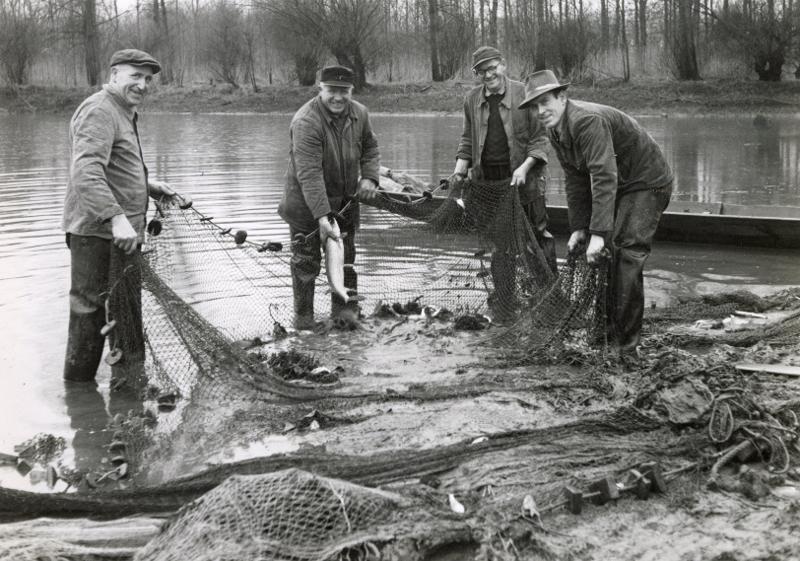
501	141
105	209
618	185
333	162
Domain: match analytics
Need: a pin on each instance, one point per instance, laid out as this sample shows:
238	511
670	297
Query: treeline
256	42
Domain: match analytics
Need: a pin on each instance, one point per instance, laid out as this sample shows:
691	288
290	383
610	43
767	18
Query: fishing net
220	373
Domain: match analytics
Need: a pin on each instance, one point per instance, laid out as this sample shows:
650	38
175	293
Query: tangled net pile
313	504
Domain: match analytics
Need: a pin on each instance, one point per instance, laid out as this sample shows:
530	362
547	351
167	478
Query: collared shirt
525	134
107	174
495	149
604	152
325	162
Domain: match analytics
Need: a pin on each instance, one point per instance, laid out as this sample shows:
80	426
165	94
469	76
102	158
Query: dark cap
136	58
482	54
336	76
540	83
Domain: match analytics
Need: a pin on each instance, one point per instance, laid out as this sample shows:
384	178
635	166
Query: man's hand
594	251
163	190
328	228
576	240
460	172
123	234
519	176
367	190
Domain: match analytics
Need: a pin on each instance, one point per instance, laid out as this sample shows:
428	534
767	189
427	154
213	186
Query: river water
233	166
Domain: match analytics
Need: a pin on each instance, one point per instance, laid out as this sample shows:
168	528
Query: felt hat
540	83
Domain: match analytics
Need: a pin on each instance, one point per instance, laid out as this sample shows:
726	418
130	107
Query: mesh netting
246	518
469	260
462	256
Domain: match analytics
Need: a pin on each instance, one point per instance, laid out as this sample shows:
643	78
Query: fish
334	266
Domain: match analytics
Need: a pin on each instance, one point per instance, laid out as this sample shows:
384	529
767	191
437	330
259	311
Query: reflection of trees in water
790	162
738	161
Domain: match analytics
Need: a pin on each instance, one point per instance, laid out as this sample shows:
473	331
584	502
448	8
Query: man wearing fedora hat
105	207
618	184
333	162
501	141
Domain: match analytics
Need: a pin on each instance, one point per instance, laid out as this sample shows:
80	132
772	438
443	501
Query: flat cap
482	54
136	58
340	76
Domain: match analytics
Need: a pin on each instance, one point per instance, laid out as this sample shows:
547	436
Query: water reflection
89	418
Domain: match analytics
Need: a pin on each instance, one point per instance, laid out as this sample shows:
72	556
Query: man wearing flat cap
104	213
333	163
618	184
501	141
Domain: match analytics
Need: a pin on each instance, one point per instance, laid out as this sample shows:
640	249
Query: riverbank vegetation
263	43
638	97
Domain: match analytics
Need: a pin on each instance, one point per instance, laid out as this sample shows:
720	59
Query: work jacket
325	163
604	153
107	174
526	135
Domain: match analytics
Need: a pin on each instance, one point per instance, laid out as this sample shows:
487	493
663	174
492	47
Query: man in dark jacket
333	159
618	185
501	141
105	208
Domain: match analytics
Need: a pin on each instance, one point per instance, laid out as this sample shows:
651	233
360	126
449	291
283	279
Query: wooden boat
683	222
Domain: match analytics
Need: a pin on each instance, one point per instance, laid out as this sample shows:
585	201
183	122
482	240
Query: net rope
209	294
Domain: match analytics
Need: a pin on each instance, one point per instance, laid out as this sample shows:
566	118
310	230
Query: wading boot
84	346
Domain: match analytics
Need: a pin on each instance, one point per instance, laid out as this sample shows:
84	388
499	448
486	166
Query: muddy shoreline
640	97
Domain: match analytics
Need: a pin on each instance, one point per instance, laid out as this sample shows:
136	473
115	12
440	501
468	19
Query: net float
154	227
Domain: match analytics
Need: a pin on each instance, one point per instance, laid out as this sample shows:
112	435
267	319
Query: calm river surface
233	165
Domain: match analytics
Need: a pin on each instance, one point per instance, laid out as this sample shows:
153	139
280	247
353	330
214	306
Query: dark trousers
504	263
90	269
305	266
636	218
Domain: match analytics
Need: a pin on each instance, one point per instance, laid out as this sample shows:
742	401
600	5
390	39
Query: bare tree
433	36
684	49
349	29
20	34
287	24
455	38
91	42
767	33
224	47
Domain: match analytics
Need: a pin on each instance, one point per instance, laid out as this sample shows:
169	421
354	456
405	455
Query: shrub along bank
640	97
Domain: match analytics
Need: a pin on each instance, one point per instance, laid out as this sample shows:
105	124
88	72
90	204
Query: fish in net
445	249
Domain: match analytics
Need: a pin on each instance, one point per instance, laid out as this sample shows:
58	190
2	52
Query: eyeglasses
484	71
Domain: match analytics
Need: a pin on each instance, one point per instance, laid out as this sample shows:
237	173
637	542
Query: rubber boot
84	346
303	286
305	265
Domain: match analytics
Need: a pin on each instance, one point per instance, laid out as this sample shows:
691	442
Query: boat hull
683	222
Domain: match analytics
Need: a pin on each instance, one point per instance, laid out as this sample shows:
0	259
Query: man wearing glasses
501	141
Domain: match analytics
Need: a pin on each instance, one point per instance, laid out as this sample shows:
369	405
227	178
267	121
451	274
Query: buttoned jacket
325	163
604	153
526	135
107	173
